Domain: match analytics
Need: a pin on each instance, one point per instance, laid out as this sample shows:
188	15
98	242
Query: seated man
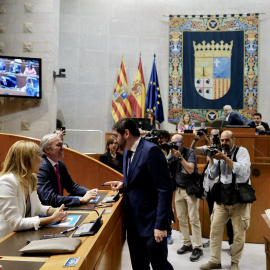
257	122
14	68
8	81
232	117
53	177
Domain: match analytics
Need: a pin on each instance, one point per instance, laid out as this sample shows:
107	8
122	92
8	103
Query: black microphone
260	152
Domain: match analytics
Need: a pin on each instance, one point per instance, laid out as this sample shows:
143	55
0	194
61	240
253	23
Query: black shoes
207	244
196	255
184	249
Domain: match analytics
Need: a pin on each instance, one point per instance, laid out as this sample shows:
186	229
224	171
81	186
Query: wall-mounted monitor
20	77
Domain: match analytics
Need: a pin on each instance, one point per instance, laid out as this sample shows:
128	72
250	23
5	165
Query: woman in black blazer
112	158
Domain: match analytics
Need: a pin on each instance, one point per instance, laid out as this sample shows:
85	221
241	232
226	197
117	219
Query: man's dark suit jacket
253	125
107	159
48	190
148	188
235	119
15	69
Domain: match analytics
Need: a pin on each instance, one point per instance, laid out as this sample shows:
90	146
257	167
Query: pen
104	185
69	230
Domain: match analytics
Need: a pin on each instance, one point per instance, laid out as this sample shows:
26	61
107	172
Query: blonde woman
185	123
20	206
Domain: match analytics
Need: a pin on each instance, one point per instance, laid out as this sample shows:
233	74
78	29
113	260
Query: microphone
260	152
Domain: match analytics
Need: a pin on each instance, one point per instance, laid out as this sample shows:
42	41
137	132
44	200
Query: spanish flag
138	93
120	103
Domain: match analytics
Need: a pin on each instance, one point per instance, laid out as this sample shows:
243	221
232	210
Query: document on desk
267	212
71	221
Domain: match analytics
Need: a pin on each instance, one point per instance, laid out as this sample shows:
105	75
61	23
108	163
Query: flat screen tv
20	77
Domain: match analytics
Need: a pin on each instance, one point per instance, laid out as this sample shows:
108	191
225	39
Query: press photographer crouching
233	196
183	167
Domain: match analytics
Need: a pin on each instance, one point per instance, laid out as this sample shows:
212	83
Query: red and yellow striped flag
138	93
120	103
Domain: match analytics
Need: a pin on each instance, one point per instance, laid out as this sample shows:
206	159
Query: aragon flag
120	104
138	93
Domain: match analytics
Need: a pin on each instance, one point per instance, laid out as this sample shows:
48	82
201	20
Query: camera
215	145
152	136
202	131
168	146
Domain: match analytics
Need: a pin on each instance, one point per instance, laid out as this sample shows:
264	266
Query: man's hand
159	235
199	137
89	195
115	185
260	127
219	155
176	153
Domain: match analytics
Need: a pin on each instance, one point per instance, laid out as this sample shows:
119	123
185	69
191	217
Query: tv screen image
20	77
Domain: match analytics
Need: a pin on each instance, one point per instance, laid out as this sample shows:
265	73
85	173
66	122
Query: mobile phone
95	200
63	130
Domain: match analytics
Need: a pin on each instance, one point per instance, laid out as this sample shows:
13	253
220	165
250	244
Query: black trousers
229	226
145	250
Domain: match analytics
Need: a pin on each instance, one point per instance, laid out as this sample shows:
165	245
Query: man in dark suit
232	117
51	183
257	122
148	197
8	81
14	68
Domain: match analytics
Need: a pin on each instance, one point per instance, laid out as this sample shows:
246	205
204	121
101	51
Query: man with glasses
232	117
183	165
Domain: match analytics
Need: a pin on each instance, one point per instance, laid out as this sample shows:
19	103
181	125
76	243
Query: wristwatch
180	159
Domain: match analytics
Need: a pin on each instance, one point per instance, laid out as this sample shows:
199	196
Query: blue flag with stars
153	101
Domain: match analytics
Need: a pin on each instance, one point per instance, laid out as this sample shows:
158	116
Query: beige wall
35	23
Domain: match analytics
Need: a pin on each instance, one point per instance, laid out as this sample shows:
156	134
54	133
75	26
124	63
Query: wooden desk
96	252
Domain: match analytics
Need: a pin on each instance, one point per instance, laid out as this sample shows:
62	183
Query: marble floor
253	256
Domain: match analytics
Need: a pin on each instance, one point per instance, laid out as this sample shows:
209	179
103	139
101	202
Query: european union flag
153	101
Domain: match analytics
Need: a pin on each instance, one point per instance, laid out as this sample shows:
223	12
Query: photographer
163	139
232	164
208	183
183	165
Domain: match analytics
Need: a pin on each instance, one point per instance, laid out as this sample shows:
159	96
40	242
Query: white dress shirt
241	168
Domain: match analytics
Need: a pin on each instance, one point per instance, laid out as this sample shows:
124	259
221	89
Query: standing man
257	122
208	182
183	166
53	177
239	213
148	196
232	117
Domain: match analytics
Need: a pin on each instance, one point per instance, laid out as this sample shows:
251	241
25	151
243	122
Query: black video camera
152	136
202	131
168	146
215	145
